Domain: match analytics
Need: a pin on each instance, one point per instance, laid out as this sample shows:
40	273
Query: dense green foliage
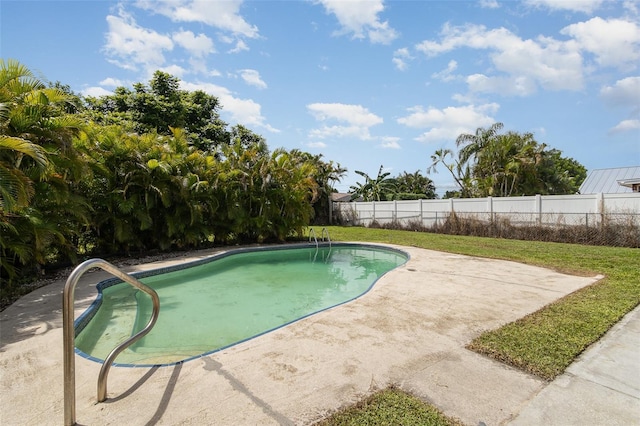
40	213
149	169
502	165
413	186
160	106
406	186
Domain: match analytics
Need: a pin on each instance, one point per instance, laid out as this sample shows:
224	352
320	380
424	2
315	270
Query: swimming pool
211	304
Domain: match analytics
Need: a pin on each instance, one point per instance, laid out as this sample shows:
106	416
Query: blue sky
364	83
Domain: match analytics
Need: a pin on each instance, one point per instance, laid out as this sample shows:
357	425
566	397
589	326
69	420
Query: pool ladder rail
312	233
68	333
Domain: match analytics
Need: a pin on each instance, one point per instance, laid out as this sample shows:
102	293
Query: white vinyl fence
546	210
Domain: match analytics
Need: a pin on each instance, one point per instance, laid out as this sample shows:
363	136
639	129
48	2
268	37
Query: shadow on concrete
213	365
166	396
134	387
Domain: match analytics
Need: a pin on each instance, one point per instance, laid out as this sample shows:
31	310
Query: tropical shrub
119	174
39	213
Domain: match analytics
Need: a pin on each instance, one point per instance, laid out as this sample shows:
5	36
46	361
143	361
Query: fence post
490	208
373	204
539	208
421	213
600	207
451	209
395	211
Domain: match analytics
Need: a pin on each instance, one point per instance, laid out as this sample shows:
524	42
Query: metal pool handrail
325	231
312	233
68	333
315	238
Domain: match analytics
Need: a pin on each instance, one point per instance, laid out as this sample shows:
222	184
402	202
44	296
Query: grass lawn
390	406
545	342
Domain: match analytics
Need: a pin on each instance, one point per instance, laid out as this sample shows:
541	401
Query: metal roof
607	180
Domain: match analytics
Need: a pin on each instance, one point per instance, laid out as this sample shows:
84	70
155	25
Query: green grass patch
390	406
545	342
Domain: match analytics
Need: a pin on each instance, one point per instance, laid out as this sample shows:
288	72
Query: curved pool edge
90	312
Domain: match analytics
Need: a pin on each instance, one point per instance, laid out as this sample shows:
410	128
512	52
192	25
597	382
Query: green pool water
231	299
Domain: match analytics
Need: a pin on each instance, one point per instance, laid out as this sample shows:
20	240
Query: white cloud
132	47
528	64
489	4
614	42
357	120
390	142
446	74
95	92
360	18
317	145
448	123
112	82
224	15
198	46
507	86
242	111
625	92
174	70
353	114
625	126
400	63
400	57
252	78
585	6
382	33
631	6
129	44
241	46
349	131
199	65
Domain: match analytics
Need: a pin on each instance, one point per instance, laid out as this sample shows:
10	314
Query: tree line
487	163
152	168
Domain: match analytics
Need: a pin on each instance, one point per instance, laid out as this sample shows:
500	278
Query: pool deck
410	330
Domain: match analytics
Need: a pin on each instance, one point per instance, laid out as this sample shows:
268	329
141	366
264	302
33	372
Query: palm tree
460	170
472	145
36	161
16	188
326	175
374	189
414	186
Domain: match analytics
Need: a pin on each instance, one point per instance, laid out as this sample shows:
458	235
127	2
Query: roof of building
340	196
610	181
344	197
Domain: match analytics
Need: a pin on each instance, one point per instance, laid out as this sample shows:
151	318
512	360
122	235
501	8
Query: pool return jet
68	333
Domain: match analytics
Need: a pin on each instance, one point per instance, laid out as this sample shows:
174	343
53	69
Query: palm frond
23	146
16	189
